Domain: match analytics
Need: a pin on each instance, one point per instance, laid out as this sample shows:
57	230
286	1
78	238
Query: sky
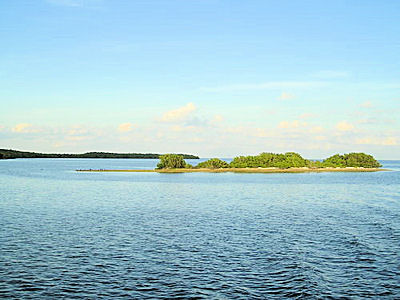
216	78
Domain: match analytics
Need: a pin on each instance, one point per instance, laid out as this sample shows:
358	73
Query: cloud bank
179	114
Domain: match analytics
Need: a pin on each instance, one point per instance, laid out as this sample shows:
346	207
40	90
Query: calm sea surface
142	235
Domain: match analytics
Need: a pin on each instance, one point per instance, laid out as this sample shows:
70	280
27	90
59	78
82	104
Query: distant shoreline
12	154
244	170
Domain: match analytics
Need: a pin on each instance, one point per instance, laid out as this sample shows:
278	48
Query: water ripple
237	236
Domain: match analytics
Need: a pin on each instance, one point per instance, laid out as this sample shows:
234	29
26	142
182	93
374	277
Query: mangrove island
289	162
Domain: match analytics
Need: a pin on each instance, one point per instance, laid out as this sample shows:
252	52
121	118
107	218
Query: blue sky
214	78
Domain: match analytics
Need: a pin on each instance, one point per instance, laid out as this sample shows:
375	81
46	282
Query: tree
361	160
213	163
295	160
336	160
351	160
268	160
171	161
23	154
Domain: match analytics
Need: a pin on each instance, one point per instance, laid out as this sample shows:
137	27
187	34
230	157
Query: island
289	162
11	154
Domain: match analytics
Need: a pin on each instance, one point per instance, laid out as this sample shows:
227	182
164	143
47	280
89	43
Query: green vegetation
294	160
172	161
352	160
6	154
214	163
270	160
273	160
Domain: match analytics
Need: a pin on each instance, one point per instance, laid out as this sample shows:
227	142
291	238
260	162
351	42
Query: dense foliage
352	160
273	160
171	161
213	163
294	160
22	154
270	160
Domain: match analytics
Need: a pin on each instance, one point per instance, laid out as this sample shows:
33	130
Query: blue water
65	234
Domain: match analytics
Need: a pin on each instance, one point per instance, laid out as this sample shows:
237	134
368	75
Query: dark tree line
8	154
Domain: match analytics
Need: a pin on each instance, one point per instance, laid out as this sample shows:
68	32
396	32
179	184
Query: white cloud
78	133
293	135
77	130
265	86
216	120
180	128
126	127
344	126
316	129
179	114
261	132
58	144
291	124
24	128
320	138
285	96
388	141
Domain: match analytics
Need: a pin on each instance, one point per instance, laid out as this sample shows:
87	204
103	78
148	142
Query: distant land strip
10	154
244	170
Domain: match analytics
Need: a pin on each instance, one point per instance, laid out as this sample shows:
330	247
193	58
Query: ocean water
65	234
